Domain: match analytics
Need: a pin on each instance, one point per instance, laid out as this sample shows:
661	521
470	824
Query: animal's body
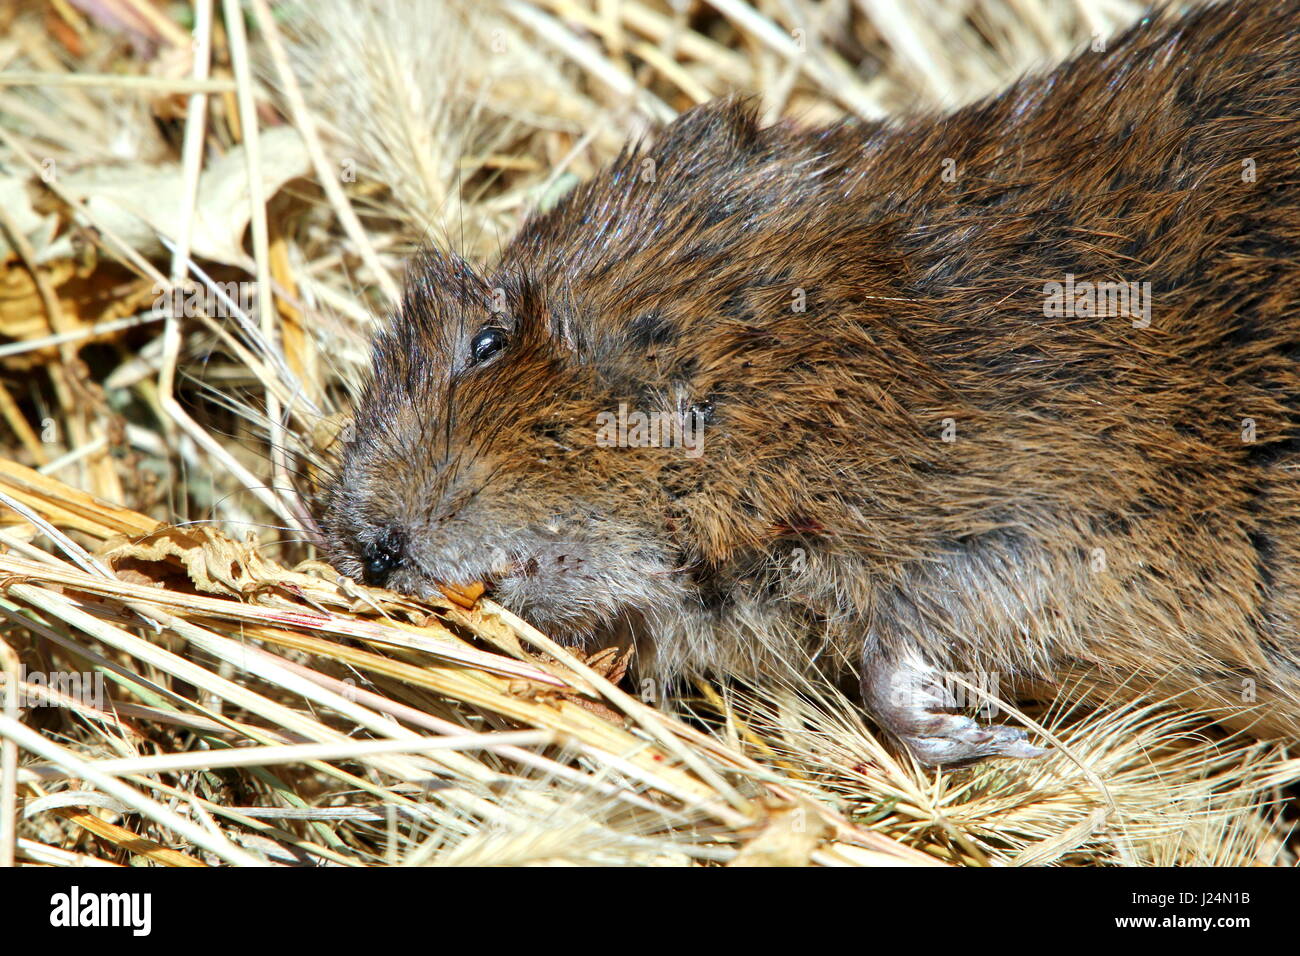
923	449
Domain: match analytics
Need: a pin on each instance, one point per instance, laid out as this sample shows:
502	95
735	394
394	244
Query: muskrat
1013	391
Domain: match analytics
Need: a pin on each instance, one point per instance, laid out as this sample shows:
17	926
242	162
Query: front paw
908	700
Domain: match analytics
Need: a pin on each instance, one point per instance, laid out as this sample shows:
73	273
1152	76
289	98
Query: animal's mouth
563	584
464	595
467	594
572	589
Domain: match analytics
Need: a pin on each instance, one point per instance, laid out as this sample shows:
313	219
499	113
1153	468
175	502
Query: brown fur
1098	510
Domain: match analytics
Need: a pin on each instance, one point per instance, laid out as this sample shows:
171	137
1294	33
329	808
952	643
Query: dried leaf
140	203
212	562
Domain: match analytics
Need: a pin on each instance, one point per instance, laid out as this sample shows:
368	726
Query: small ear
711	136
729	125
431	272
441	290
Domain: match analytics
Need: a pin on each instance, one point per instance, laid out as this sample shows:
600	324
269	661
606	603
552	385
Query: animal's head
492	444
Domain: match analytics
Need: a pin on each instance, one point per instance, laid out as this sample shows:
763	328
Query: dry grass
152	522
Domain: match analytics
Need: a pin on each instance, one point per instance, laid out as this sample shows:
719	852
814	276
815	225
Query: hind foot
908	699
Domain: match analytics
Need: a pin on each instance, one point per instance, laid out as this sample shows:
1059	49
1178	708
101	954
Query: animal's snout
384	554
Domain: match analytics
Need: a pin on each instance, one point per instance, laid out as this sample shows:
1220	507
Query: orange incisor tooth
465	595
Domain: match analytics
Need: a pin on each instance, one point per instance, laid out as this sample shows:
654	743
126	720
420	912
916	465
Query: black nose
382	555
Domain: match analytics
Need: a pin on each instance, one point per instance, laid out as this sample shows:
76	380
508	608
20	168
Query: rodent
913	461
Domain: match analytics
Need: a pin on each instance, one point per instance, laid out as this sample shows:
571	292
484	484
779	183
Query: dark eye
486	343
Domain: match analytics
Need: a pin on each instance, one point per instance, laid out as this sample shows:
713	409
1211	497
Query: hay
234	702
